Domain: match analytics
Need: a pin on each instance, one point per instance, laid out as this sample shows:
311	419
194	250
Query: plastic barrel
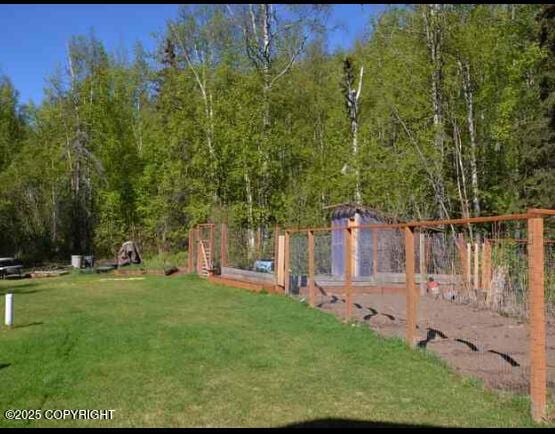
76	261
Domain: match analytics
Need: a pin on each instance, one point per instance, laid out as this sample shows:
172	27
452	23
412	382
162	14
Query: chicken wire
473	285
246	247
473	281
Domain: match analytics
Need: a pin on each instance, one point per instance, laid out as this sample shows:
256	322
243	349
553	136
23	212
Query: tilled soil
475	342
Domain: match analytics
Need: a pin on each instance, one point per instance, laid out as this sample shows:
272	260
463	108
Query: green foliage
200	129
165	260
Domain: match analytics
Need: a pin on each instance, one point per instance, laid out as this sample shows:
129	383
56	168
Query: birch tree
433	19
273	44
195	38
352	97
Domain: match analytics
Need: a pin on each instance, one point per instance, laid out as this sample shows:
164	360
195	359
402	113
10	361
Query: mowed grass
180	352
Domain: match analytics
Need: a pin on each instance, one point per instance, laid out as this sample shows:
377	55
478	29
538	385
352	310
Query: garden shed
345	215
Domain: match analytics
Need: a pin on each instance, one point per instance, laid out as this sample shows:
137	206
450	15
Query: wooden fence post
476	265
223	245
198	240
276	257
463	257
486	265
286	263
348	247
537	318
412	295
199	258
191	251
311	283
469	265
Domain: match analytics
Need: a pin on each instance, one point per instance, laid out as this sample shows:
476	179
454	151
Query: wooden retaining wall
248	276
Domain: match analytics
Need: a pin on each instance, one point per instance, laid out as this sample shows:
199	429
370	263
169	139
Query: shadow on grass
351	423
21	326
4	365
20	289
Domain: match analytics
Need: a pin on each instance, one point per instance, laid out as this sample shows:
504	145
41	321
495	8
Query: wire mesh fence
471	280
298	269
469	290
549	285
251	249
474	300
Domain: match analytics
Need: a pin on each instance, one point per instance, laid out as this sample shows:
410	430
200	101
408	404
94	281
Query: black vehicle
10	267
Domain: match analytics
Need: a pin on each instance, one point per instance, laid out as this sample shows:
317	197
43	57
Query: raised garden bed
48	273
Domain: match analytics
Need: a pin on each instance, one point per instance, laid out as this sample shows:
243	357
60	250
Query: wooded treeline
443	111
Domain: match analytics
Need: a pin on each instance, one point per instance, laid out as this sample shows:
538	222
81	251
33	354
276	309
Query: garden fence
477	291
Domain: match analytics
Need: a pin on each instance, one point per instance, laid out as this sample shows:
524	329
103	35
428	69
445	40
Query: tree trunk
250	215
266	89
459	170
354	131
352	97
434	39
461	178
266	64
199	73
469	99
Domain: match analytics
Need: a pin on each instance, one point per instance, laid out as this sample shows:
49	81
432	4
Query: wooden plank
537	318
256	287
248	275
463	259
412	294
199	258
541	211
276	253
365	226
197	241
205	267
476	265
223	245
486	265
281	261
211	247
190	252
491	219
430	223
311	283
469	263
286	263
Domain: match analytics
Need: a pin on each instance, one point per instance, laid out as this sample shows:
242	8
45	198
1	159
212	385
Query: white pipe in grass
9	310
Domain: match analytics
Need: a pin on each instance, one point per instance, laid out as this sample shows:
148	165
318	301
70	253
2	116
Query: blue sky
33	38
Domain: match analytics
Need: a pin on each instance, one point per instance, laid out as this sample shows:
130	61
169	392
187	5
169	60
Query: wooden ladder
206	259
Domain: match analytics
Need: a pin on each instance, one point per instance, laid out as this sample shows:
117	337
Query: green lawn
178	351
